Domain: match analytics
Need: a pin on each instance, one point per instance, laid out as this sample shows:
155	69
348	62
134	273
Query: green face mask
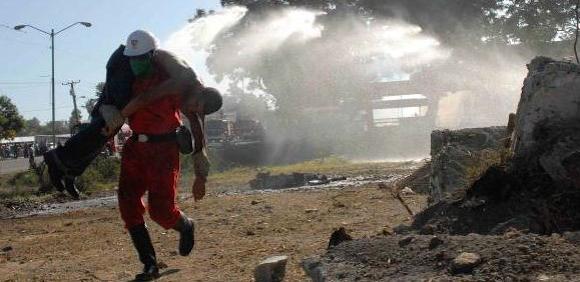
141	67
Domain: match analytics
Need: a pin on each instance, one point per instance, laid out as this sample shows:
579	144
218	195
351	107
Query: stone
7	249
435	242
272	269
338	236
546	128
406	241
314	269
427	229
572	237
465	263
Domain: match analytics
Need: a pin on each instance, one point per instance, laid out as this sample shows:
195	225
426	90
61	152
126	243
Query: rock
254	202
435	242
271	269
406	241
427	229
310	210
546	128
7	249
465	263
572	237
338	236
250	233
313	269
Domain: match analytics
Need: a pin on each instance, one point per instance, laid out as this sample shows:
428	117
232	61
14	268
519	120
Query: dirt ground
511	257
234	233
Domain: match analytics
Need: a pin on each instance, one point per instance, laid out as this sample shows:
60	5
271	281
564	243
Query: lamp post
52	34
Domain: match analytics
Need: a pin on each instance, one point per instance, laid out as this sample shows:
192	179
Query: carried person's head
206	102
140	47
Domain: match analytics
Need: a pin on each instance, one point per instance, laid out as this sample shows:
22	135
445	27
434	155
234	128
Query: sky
80	53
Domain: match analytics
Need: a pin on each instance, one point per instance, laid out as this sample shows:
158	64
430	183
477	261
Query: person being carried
69	161
150	158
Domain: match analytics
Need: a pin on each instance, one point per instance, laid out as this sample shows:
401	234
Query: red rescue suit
151	167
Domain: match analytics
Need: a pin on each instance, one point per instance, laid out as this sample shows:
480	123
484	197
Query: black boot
186	230
54	172
142	243
69	185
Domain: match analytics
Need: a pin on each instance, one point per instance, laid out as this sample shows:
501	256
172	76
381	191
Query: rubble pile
510	257
518	221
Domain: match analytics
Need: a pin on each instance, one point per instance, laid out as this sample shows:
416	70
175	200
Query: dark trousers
82	148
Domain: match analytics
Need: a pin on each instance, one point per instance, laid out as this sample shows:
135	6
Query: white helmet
140	42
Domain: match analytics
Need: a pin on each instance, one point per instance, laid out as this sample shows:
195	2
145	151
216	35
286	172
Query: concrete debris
338	236
272	269
546	128
454	154
265	180
465	263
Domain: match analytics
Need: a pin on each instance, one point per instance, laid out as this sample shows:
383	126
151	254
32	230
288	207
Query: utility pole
74	97
52	34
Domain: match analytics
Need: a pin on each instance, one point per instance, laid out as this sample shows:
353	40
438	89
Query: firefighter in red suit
164	87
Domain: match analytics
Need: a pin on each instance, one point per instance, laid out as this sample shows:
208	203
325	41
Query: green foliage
75	117
102	174
10	120
24	179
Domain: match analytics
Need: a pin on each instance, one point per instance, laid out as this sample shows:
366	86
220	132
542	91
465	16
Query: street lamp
52	34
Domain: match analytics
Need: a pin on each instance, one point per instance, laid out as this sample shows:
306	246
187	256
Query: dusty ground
234	233
512	257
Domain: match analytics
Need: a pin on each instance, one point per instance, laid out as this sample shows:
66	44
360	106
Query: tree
75	117
91	103
10	120
31	127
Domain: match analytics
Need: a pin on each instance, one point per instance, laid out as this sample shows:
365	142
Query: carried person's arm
201	163
181	78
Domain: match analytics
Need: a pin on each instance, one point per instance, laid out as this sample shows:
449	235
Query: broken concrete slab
546	128
454	153
265	180
272	269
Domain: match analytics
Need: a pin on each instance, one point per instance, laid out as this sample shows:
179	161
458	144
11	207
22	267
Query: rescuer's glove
112	116
201	163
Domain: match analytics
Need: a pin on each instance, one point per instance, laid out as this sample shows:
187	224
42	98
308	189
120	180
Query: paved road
15	165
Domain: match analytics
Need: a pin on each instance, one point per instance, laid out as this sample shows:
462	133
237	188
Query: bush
24	179
102	174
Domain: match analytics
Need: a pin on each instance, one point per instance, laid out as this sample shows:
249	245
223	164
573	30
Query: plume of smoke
316	71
